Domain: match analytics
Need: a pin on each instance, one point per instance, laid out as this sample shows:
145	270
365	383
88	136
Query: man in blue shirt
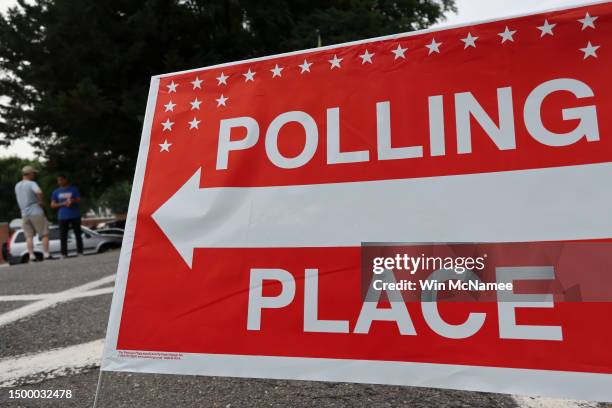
67	198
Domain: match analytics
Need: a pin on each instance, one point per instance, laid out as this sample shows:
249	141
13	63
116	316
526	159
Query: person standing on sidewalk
67	198
30	200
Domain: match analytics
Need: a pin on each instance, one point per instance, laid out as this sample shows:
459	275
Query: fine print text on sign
258	181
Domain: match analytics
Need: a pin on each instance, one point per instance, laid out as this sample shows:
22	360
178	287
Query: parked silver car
93	242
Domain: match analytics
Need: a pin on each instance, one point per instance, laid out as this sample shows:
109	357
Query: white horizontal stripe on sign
528	205
560	384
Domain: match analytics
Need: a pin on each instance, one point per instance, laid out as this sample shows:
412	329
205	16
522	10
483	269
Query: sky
476	10
468	11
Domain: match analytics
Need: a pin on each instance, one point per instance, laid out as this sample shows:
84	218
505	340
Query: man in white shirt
30	199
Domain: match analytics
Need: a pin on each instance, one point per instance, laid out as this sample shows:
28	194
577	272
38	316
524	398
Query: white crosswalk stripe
50	364
59	297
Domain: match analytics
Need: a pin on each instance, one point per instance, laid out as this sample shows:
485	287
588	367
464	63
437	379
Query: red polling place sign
258	181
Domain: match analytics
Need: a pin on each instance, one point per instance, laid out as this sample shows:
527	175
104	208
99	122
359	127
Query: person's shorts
35	224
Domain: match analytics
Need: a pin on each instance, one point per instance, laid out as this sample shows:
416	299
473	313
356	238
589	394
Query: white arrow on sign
527	205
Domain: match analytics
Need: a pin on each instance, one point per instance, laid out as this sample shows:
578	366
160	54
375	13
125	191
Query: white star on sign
197	83
170	106
335	62
167	125
221	100
222	79
165	147
195	104
171	87
366	57
469	41
194	123
305	66
546	28
507	35
249	76
588	21
434	46
399	52
590	50
276	71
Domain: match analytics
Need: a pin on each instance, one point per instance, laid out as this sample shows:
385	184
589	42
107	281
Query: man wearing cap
30	200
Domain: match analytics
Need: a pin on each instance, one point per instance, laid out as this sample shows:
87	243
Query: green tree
117	197
10	173
76	71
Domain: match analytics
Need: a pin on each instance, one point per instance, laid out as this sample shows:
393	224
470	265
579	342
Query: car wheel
26	257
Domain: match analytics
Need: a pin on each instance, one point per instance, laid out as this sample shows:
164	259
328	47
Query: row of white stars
589	51
195	104
193	124
434	47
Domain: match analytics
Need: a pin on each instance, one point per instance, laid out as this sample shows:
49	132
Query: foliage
117	197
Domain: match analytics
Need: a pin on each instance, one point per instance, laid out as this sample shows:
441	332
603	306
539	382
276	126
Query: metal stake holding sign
258	181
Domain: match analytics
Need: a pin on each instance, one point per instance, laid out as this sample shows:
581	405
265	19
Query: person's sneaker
50	257
35	259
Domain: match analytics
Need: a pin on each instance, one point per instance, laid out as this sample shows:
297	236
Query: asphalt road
52	342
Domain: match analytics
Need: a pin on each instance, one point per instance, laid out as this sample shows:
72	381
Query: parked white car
93	242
